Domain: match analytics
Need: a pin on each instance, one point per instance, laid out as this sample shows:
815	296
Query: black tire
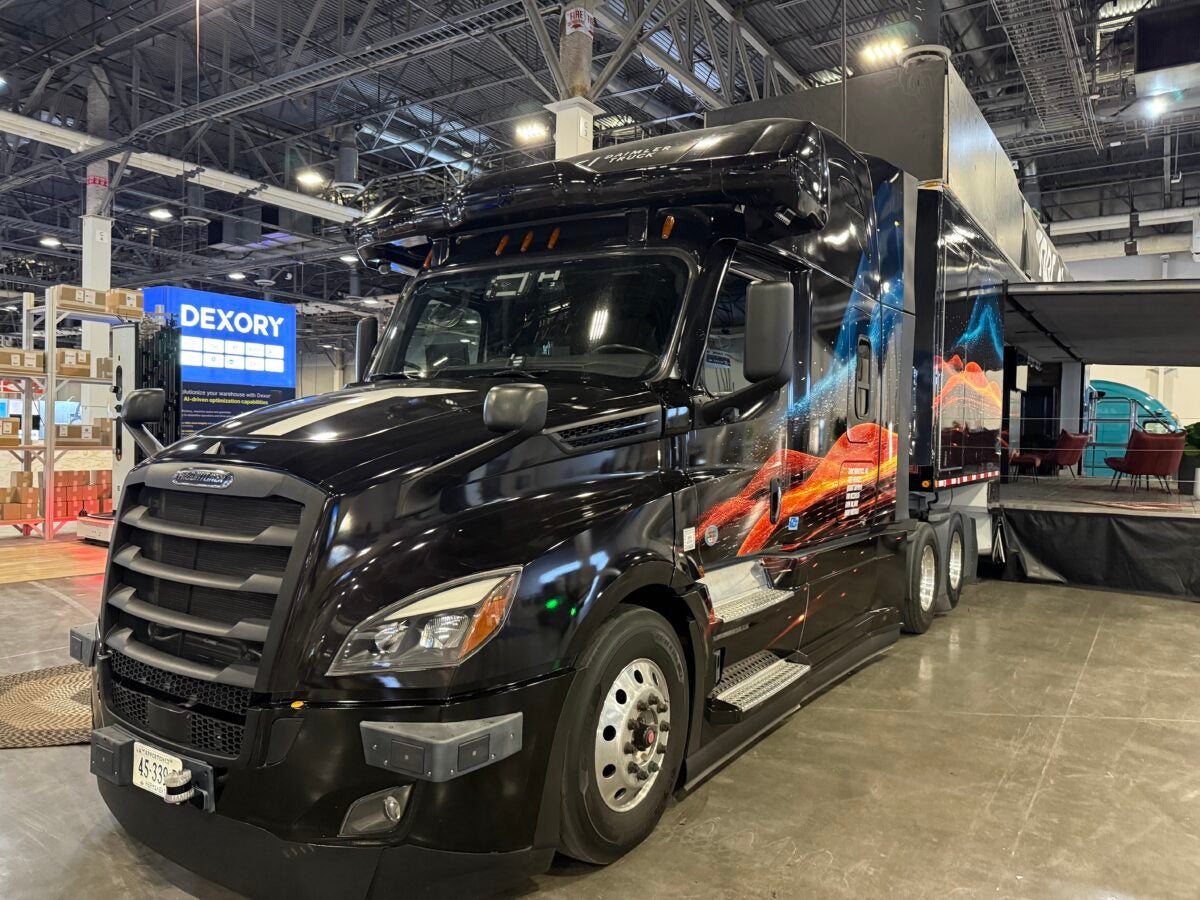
917	616
957	541
591	831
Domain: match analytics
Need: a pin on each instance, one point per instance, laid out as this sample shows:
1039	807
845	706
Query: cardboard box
73	363
106	505
11	512
123	298
20	361
69	298
20	479
10	432
104	367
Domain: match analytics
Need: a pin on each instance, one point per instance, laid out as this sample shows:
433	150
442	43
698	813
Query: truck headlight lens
438	627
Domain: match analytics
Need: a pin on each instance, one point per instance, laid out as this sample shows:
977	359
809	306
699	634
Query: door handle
776	499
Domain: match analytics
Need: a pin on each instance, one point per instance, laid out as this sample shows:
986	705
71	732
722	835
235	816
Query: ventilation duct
355	291
345	176
193	208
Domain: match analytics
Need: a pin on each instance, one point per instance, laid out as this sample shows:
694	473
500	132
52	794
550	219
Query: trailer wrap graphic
853	482
968	402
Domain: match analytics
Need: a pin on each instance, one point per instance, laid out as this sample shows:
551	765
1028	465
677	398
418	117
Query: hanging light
310	178
532	131
50	241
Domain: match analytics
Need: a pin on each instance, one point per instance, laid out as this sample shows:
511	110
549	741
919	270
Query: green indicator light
573	610
553	603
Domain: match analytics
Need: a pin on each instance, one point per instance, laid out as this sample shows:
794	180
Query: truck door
740	468
840	428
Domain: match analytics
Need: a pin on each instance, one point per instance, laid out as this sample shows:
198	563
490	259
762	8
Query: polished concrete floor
1038	742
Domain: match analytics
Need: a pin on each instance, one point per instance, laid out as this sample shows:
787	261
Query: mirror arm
712	410
141	435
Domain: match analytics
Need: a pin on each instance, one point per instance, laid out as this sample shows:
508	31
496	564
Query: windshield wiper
528	374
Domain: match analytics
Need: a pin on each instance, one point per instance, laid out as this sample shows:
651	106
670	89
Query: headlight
438	627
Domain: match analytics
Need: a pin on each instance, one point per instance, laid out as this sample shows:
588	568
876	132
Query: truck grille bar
198	582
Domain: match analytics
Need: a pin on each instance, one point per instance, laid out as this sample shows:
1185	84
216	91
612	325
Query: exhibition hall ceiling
262	93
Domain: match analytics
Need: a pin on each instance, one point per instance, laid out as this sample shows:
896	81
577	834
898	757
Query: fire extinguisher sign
577	19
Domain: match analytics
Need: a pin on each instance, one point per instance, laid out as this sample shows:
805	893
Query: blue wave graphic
984	332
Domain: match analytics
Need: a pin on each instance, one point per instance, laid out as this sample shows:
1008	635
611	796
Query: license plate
151	766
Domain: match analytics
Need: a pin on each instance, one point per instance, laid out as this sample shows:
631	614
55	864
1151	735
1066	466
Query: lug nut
642	706
642	775
629	748
653	767
632	724
662	748
664	726
633	769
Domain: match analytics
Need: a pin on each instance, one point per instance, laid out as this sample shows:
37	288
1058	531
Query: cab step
740	606
751	682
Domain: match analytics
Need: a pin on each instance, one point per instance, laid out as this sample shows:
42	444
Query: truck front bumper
271	824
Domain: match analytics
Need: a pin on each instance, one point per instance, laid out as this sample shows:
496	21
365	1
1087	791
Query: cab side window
721	372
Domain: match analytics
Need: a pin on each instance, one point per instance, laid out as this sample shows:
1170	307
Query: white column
97	247
1070	396
573	125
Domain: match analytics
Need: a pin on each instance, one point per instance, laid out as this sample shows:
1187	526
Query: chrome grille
195	578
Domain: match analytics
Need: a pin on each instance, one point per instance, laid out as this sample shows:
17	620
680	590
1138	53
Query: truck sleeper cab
618	491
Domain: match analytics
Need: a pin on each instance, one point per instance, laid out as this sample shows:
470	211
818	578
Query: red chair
1148	455
1068	451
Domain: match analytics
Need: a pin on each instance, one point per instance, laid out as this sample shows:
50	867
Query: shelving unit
48	453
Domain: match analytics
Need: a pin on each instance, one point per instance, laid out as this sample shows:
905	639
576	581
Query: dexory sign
234	353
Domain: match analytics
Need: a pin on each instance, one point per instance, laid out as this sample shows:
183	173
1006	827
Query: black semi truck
659	442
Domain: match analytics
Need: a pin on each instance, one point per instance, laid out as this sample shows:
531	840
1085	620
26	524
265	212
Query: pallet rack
47	525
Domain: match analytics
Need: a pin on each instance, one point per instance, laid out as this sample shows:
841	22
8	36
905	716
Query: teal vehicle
1114	410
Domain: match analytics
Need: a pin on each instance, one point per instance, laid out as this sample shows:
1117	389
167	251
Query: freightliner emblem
208	478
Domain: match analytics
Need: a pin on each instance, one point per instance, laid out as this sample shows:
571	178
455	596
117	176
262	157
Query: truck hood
352	437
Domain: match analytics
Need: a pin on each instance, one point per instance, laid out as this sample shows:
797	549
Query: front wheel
627	737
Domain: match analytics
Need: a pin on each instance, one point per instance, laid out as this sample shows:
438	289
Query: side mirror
143	406
769	312
366	336
767	363
517	408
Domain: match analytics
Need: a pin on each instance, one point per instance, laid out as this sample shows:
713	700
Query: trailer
660	442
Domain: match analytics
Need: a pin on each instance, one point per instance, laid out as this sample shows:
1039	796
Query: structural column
573	114
97	242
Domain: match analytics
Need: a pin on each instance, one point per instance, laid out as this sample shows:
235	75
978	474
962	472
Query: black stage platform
1082	532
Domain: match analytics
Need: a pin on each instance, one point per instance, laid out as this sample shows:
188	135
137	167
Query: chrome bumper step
751	682
730	609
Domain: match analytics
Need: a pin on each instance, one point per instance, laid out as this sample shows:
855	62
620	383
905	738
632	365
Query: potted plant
1191	460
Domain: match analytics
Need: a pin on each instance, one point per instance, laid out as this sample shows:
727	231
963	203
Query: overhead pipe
1121	221
215	179
1154	245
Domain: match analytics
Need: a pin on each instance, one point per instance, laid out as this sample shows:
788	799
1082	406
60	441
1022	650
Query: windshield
609	315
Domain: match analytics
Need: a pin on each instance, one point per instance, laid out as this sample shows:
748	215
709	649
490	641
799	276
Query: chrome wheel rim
954	565
928	584
632	734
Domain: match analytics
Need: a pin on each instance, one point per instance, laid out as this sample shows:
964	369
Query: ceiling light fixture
161	214
310	178
886	50
348	258
532	131
49	240
237	276
1157	106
